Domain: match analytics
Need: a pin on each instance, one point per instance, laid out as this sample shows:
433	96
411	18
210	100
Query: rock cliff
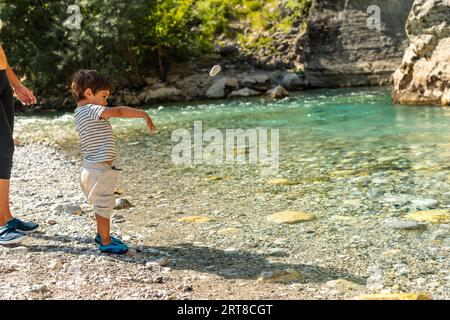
344	44
424	75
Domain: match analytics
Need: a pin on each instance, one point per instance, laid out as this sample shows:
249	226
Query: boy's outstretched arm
127	112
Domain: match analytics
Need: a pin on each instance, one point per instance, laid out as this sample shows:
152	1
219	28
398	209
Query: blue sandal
115	248
10	235
113	239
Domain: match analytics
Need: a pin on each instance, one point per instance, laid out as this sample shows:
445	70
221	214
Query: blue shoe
115	240
115	248
22	227
9	235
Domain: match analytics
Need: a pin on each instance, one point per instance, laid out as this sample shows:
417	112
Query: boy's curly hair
89	79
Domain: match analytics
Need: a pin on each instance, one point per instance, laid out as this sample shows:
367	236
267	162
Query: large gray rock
194	86
340	49
244	92
291	81
257	81
424	75
163	94
222	87
277	93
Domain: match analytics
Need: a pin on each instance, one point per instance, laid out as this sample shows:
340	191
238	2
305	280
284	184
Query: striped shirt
96	135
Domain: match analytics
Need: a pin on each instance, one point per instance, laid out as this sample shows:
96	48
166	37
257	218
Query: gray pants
98	181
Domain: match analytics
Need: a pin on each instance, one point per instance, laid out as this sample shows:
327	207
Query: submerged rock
434	216
290	217
282	181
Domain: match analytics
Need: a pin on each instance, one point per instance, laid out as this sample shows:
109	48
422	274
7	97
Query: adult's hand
25	95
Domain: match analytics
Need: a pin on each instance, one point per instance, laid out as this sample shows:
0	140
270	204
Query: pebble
68	208
55	265
118	218
164	261
280	276
195	219
424	203
122	204
406	225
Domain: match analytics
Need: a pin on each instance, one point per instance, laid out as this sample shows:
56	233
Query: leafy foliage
127	40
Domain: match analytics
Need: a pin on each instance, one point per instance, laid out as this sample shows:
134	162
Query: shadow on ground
230	265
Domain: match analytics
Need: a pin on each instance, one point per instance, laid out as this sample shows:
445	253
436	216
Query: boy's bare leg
5	213
103	229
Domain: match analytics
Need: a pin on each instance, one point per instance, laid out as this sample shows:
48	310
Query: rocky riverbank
205	232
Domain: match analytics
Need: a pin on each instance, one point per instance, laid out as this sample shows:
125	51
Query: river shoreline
359	242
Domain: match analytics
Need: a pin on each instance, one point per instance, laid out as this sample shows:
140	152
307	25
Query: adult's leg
6	146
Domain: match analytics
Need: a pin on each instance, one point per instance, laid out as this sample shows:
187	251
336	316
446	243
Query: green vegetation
130	40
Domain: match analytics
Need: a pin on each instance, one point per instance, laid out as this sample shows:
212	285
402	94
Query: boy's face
100	98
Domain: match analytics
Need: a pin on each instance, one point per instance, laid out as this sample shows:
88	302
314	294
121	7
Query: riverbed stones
393	253
228	231
117	218
434	216
290	217
282	181
424	203
280	276
395	296
122	203
68	208
405	225
195	219
343	285
212	178
164	261
55	265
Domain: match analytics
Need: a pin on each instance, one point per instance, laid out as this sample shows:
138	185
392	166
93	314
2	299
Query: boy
98	176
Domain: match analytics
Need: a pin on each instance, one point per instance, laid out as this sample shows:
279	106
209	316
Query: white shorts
98	181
